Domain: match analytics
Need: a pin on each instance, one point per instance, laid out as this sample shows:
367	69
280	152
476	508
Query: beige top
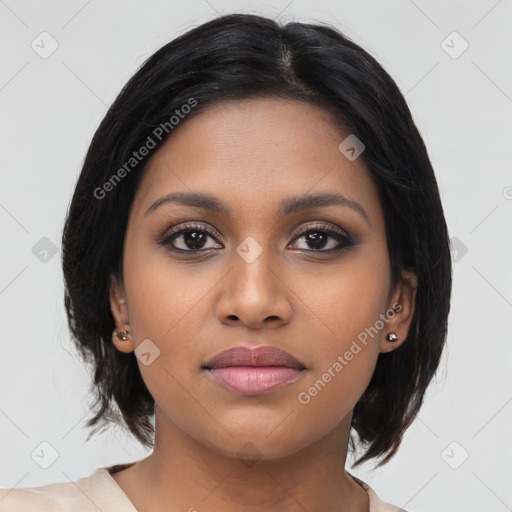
101	492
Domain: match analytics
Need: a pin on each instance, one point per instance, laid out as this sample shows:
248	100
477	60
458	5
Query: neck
184	474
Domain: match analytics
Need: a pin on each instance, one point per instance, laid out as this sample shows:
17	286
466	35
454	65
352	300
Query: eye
190	238
193	238
325	238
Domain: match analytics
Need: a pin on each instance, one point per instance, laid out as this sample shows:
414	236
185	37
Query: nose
255	294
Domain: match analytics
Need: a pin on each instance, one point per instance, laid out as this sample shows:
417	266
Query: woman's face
311	277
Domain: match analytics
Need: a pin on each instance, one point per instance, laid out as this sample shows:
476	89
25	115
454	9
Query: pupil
192	238
316	239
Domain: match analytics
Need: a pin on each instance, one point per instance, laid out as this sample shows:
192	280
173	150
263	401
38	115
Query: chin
250	446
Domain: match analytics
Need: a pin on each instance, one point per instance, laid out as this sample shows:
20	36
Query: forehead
253	153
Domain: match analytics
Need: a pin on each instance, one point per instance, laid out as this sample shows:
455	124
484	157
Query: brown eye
190	238
322	239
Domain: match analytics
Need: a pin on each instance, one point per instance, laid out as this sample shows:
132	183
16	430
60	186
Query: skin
251	155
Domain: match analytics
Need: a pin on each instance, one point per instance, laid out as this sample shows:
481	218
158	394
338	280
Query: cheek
165	296
346	330
344	362
342	304
167	306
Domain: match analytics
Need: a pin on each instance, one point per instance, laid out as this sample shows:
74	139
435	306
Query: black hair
243	56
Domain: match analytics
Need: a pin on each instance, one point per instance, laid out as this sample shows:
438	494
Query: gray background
461	103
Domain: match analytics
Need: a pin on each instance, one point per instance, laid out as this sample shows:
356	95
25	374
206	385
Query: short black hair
244	56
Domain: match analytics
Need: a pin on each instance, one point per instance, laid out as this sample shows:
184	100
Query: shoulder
376	504
99	491
56	497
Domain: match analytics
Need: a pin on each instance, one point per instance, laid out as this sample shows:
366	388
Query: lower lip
254	380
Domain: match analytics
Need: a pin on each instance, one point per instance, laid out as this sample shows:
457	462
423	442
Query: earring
391	337
122	335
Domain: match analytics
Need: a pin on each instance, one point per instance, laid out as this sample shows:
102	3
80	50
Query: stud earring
122	335
391	337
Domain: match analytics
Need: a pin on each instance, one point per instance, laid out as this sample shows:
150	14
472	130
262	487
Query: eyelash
344	239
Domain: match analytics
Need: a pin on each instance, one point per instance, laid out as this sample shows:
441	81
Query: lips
259	356
254	371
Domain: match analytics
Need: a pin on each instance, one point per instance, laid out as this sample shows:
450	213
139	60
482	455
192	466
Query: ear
402	303
118	307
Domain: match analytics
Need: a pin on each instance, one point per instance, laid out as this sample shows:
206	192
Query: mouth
254	371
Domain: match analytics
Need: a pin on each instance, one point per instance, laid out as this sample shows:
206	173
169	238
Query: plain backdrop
451	60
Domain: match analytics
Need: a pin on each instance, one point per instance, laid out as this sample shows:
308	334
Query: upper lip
253	356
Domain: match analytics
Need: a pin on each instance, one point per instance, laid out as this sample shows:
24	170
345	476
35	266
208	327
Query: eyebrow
286	207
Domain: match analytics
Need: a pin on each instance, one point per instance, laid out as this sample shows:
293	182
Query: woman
256	254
